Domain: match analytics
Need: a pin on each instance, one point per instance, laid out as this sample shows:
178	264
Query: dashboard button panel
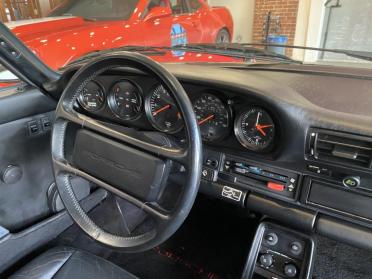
268	179
267	260
275	186
209	174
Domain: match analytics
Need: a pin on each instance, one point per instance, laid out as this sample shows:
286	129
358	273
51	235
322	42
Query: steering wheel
115	158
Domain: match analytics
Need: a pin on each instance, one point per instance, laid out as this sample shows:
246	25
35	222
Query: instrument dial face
255	129
213	117
162	111
92	98
125	100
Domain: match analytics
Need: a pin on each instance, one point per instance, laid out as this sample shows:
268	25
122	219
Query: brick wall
286	10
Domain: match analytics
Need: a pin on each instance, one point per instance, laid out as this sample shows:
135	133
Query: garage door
346	26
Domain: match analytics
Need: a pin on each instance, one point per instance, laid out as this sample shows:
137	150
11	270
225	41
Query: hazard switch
275	186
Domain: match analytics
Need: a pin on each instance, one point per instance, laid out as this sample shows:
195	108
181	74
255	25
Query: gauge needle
201	122
261	127
258	118
161	110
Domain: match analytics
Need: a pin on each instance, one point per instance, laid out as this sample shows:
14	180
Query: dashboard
223	116
293	142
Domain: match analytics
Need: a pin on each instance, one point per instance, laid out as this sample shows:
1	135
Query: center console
278	252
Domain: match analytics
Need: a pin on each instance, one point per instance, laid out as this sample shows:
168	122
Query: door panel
181	28
25	159
192	26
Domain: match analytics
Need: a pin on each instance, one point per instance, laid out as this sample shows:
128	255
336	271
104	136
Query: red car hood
60	40
31	29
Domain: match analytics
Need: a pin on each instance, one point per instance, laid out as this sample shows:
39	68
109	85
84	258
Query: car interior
112	169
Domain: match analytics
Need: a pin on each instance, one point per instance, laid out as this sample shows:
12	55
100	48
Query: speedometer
255	129
213	117
163	112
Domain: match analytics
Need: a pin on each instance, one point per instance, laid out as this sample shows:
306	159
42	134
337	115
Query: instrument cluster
217	116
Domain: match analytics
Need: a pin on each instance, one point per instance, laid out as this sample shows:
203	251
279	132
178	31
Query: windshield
328	32
96	9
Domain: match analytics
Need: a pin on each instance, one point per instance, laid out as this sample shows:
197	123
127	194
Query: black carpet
213	243
335	260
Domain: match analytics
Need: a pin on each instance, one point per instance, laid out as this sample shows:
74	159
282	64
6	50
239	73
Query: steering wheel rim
166	223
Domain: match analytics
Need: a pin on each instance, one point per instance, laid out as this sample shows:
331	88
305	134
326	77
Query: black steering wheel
114	158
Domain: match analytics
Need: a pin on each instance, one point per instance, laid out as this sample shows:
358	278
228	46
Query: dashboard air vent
340	148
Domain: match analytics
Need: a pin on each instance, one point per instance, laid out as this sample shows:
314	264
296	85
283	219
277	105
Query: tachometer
92	98
162	111
255	129
213	117
125	99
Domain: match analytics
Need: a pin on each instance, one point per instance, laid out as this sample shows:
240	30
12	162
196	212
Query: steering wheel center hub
130	170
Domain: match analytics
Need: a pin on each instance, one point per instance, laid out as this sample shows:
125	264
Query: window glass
178	7
194	5
97	9
7	78
156	3
53	33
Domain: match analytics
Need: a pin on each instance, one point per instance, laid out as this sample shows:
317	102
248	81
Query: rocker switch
33	127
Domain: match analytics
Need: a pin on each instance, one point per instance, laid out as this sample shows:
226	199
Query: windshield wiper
363	55
231	50
236	50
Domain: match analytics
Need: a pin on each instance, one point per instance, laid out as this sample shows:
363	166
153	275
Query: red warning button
275	186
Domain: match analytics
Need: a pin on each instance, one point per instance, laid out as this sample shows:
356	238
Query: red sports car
76	28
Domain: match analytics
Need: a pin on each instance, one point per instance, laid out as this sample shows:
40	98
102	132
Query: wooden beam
4	18
38	8
10	8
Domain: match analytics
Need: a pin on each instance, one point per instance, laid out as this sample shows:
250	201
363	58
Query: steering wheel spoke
175	154
153	209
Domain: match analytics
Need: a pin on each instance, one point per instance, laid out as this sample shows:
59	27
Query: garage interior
325	23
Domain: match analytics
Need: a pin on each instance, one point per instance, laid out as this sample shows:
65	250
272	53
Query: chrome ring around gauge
255	129
162	111
92	98
125	99
213	117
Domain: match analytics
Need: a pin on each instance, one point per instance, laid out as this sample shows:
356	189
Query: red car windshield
97	9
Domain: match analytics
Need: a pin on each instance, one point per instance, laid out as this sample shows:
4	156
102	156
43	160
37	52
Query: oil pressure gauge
125	99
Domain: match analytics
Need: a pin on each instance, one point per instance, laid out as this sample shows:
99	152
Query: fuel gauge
92	98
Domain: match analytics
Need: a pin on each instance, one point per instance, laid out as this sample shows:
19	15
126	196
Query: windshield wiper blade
231	50
363	55
236	50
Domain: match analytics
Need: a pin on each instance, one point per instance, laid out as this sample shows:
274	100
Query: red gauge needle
201	122
261	127
161	110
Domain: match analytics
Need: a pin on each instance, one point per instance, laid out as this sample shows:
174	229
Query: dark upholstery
64	262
